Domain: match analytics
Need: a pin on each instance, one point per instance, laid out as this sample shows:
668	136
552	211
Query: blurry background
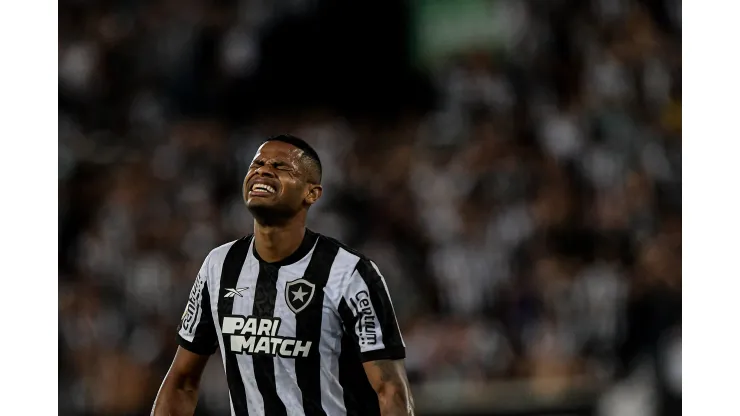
514	167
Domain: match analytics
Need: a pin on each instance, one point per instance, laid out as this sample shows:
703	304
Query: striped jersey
293	334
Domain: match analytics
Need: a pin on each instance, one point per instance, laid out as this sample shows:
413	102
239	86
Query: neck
276	242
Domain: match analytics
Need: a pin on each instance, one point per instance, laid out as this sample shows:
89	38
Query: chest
278	301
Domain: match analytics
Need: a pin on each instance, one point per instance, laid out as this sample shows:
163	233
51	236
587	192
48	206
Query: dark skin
280	216
388	378
279	226
178	394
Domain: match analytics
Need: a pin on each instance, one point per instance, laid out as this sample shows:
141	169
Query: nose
265	171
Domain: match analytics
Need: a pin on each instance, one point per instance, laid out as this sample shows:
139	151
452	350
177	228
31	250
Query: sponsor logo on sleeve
367	331
193	307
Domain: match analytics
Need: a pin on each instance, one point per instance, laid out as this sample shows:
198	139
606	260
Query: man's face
276	184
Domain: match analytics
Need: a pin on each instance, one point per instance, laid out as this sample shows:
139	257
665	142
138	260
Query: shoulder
348	256
218	255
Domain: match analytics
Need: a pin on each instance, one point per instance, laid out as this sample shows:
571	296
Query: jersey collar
309	239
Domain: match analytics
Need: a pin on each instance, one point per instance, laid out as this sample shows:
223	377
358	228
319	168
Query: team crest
298	294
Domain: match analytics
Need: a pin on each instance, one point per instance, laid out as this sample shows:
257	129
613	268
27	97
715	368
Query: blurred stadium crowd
523	200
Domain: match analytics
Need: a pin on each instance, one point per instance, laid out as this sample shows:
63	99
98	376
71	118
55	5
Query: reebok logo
230	293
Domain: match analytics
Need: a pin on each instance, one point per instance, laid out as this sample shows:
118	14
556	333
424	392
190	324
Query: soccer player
305	325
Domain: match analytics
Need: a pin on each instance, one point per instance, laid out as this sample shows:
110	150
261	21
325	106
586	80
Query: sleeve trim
194	348
391	353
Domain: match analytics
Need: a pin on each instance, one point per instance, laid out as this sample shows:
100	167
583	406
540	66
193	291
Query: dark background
514	168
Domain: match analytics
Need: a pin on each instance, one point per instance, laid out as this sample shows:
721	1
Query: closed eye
281	166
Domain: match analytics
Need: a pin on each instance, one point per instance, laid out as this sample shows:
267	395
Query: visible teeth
263	187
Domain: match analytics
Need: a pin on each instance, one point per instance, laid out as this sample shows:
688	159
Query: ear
314	193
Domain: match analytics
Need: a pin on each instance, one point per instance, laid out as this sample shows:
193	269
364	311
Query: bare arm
178	394
388	378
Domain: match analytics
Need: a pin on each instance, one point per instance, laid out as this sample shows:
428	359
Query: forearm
388	378
175	399
395	400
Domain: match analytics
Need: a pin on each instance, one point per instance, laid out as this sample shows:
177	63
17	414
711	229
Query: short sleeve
196	332
368	316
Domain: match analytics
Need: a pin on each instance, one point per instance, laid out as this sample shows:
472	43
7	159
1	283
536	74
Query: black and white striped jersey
293	335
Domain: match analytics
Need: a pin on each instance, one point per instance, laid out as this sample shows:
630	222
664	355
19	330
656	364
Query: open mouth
261	189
